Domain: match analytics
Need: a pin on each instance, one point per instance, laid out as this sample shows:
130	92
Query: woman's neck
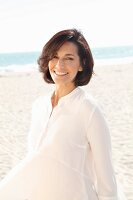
60	92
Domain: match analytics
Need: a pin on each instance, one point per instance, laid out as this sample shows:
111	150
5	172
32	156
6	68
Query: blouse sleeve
35	126
100	143
32	130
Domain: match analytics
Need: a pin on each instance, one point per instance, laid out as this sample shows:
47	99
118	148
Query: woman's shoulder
90	106
40	99
41	102
87	99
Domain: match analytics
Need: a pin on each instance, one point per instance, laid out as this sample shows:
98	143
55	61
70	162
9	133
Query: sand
112	86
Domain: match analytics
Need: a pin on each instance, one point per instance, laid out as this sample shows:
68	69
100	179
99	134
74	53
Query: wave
113	61
34	67
19	68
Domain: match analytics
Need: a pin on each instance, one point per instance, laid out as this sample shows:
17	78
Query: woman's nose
60	63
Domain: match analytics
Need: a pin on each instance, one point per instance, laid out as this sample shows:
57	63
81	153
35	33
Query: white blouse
69	154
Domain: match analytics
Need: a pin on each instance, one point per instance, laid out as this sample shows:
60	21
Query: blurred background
25	26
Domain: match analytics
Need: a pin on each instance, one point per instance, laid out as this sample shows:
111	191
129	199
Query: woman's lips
60	73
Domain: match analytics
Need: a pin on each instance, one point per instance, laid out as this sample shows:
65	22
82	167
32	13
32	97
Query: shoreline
33	67
111	87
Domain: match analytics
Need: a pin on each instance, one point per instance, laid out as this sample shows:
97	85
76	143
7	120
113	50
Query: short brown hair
84	52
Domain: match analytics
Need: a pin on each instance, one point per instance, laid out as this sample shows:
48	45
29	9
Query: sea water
27	61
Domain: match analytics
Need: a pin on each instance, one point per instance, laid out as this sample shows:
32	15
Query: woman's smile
60	73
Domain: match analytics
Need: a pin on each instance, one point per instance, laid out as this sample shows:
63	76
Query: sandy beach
112	86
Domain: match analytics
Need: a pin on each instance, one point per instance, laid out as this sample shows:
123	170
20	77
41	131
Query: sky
27	25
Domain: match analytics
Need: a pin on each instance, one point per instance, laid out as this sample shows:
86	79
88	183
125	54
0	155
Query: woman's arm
99	139
32	130
36	123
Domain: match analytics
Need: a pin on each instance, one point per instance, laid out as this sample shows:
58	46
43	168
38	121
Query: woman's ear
81	65
80	69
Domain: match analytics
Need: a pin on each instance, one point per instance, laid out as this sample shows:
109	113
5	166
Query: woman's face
65	65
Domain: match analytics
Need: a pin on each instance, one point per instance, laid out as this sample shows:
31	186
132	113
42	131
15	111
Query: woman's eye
55	57
69	58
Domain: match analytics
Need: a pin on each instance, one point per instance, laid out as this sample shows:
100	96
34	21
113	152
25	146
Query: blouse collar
67	97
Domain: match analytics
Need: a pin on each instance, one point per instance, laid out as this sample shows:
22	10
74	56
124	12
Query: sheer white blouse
69	154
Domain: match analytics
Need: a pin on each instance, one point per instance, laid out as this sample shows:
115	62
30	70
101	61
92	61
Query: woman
69	156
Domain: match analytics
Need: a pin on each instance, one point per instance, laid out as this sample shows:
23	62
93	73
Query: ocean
27	61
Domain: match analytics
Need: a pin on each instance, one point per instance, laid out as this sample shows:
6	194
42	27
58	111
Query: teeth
61	73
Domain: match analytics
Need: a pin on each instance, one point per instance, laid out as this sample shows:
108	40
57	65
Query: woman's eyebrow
69	54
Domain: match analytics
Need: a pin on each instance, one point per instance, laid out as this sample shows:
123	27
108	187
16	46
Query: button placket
44	129
51	113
